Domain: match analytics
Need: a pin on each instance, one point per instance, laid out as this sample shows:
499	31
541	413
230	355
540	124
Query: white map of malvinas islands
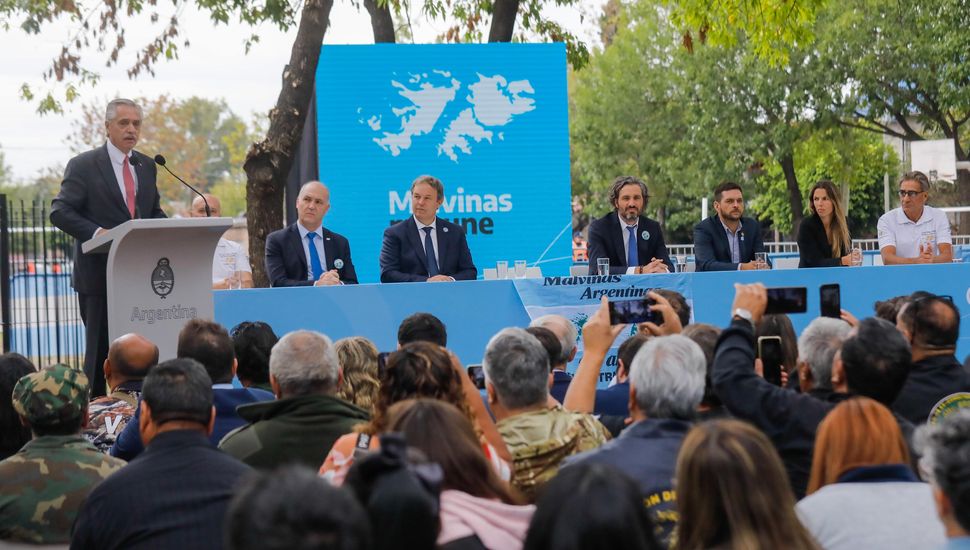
494	103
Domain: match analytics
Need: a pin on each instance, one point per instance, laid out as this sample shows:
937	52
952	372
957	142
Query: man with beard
633	243
727	241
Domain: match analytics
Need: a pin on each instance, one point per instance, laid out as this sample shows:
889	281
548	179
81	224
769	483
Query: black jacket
929	381
712	251
605	241
286	261
403	259
814	249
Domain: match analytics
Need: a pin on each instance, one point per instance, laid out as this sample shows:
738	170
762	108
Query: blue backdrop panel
476	310
488	120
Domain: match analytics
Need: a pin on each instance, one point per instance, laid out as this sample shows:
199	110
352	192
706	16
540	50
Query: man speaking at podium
104	188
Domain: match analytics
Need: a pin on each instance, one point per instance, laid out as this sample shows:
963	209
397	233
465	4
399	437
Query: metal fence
40	314
791	247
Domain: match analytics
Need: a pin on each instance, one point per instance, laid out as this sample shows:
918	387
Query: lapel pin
445	229
645	235
338	263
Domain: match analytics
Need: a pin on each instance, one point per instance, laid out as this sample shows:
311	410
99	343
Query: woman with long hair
478	509
732	492
358	360
862	492
823	237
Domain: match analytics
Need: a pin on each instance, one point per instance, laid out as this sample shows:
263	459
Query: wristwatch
741	313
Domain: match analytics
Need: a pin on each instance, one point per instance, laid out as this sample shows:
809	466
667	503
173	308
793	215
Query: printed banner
488	120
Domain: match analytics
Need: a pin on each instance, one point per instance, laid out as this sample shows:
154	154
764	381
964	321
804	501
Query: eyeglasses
904	193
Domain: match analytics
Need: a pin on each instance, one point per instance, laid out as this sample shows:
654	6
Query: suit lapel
721	236
296	248
328	249
411	234
643	245
444	243
141	206
110	181
618	236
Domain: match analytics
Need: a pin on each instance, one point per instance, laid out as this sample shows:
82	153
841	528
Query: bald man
306	253
130	357
230	265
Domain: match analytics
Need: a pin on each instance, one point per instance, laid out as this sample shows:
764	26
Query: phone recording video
623	312
477	374
787	300
769	351
830	301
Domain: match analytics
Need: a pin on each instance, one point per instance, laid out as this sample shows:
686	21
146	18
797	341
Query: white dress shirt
434	238
318	243
117	164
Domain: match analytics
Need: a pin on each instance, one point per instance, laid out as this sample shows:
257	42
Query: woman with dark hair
358	361
733	493
478	510
862	492
252	343
823	237
13	434
417	369
591	506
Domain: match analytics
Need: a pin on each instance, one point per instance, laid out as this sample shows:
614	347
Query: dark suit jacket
175	495
712	251
91	198
286	262
403	259
605	242
814	249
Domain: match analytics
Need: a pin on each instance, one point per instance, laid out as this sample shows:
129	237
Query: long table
473	311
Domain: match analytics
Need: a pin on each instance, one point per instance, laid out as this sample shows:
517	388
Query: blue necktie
429	252
315	267
631	247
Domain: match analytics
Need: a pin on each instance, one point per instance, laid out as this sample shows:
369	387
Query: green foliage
232	196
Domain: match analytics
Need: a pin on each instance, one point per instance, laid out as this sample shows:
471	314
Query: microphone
160	160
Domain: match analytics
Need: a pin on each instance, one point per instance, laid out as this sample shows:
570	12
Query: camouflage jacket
108	415
43	485
540	440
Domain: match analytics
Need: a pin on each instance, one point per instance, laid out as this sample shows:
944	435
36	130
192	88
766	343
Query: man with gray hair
566	331
945	451
538	437
104	188
306	418
817	347
666	387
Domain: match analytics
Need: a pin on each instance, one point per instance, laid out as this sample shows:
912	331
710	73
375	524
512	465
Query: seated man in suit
727	241
306	253
425	247
633	243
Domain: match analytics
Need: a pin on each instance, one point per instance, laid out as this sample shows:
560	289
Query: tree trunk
381	21
503	20
787	162
268	162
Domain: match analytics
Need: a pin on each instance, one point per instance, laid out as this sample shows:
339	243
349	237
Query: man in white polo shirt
230	265
914	233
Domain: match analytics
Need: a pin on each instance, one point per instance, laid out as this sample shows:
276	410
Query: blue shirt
734	242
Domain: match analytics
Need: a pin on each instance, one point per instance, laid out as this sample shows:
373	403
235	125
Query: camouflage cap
51	397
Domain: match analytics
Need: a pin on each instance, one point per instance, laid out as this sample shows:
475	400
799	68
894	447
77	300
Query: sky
214	65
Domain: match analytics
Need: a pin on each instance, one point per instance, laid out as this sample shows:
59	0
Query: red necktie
129	187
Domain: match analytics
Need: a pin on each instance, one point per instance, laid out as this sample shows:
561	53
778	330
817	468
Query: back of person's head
304	362
178	390
931	322
252	343
565	330
418	369
778	324
422	327
132	355
209	344
550	342
889	309
857	432
732	491
876	360
517	367
667	377
945	460
13	434
358	359
590	506
705	336
54	400
678	302
628	350
818	345
294	509
447	438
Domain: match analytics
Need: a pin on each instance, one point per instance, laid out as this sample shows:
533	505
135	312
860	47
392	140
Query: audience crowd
250	439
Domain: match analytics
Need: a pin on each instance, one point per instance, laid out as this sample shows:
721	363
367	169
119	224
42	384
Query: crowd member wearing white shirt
915	233
230	265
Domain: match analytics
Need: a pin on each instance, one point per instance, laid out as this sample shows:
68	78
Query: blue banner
488	120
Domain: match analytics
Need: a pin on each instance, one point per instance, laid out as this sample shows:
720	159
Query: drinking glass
235	281
856	259
520	267
603	266
762	259
502	269
681	263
